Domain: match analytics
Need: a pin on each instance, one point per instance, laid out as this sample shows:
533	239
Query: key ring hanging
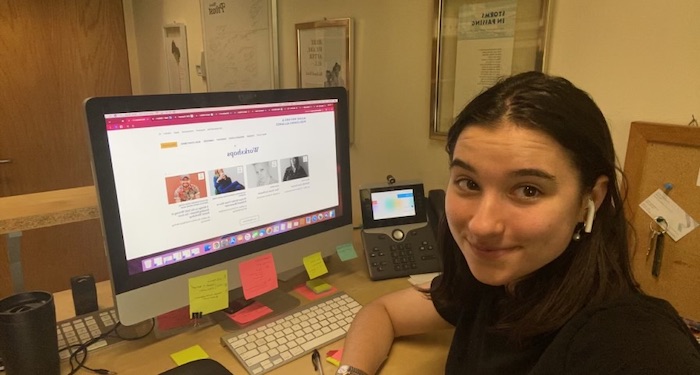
657	229
658	244
659	224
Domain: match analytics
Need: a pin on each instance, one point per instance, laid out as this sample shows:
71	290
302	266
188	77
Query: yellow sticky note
190	354
208	293
315	266
318	285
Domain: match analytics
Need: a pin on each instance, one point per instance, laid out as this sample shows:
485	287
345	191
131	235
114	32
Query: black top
291	174
635	334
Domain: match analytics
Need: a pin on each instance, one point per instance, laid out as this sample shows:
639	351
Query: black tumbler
28	340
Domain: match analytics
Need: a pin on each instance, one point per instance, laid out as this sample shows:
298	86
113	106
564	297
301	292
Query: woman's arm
405	312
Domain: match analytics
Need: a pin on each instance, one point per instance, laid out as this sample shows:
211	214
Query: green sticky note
346	251
208	293
190	354
315	266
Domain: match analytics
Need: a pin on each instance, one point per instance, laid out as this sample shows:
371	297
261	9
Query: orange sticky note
250	313
315	266
258	276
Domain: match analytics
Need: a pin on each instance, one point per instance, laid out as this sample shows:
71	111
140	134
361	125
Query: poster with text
323	56
485	37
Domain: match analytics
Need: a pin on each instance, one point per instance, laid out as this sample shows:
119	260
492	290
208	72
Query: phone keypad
388	258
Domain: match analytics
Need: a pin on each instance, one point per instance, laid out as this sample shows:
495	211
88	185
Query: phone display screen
392	205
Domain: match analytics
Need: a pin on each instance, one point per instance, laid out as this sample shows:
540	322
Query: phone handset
436	208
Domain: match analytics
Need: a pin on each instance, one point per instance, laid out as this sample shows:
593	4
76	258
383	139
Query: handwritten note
237	44
208	293
258	276
346	251
315	266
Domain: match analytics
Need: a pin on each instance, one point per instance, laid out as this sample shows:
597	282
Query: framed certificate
476	43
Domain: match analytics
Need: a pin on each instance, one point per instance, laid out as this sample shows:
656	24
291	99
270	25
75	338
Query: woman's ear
599	191
592	202
590	215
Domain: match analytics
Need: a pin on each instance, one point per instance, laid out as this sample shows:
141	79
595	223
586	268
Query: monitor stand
278	300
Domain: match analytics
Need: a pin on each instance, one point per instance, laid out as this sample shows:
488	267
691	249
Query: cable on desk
76	362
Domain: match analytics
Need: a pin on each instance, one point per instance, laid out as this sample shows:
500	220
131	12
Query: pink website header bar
177	117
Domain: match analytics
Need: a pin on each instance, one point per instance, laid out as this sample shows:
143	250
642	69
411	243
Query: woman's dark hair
589	271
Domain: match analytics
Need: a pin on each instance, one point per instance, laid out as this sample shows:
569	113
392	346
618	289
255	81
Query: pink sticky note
258	276
334	356
250	313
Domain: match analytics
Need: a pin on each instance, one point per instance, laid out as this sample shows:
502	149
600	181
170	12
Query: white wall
144	21
392	50
637	58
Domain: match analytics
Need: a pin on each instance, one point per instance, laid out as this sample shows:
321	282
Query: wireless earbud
590	214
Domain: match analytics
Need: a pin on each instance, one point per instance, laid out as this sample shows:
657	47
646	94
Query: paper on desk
679	222
208	293
422	278
190	354
315	266
258	276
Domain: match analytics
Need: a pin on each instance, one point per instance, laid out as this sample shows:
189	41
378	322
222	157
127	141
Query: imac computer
190	184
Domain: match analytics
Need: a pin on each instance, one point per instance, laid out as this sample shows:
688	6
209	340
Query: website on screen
195	181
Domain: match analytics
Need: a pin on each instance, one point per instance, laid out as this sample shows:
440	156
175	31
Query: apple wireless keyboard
269	344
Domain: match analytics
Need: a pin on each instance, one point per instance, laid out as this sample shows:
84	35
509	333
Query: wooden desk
40	210
424	354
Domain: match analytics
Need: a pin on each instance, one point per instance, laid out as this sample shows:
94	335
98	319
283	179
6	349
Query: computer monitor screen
190	184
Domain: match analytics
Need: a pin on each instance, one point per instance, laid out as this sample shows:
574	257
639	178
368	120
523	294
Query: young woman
537	276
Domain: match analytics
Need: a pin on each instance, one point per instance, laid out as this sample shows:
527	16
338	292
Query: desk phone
397	237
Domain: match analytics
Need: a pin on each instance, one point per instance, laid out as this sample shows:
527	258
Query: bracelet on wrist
349	370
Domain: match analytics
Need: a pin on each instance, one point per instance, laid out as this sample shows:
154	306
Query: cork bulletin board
658	154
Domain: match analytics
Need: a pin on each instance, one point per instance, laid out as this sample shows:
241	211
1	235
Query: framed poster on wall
476	43
324	56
